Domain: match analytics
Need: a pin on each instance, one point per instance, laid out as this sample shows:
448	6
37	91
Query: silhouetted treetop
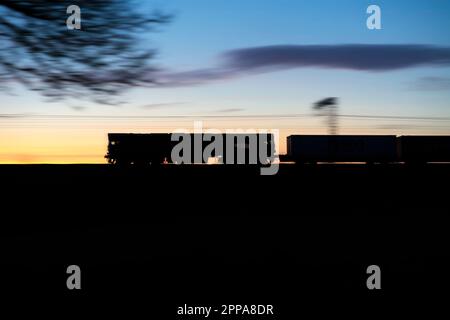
98	61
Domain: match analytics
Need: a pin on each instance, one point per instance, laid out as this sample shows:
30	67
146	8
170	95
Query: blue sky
203	29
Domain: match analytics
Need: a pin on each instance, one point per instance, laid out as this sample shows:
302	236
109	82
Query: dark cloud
359	57
432	84
352	57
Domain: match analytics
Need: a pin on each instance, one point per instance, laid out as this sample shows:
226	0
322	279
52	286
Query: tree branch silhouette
98	62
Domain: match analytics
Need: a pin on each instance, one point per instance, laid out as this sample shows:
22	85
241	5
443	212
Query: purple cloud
358	57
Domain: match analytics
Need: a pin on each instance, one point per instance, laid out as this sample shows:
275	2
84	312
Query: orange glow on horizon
76	141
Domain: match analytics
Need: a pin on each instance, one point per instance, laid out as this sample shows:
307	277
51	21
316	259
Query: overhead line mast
329	107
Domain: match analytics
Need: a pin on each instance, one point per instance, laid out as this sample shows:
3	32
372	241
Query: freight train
370	149
157	148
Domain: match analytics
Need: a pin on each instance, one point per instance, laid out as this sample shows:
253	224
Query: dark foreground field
211	235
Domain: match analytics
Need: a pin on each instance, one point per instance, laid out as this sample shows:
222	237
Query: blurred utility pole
329	108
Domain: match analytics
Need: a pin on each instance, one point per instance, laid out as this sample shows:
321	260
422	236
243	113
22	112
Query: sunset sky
258	64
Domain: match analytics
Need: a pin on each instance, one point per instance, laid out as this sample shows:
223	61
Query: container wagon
342	148
424	149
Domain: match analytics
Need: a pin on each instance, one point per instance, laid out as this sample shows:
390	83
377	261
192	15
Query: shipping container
342	148
423	149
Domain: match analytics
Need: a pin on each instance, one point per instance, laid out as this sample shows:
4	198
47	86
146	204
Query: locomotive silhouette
156	148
